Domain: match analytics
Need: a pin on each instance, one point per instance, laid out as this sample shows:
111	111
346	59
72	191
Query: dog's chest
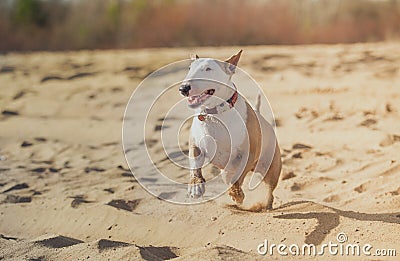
222	136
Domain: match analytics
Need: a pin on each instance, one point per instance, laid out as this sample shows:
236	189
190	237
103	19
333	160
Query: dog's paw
196	187
236	194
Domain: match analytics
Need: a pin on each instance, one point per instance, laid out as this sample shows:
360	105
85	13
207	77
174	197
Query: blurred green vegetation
83	24
29	12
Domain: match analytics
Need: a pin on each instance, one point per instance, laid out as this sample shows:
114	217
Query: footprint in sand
167	195
296	147
296	186
304	112
389	108
14	199
127	174
150	142
128	205
105	244
80	75
51	78
58	241
73	65
9	113
134	72
157	253
360	189
297	155
332	198
288	175
26	144
122	168
7	69
109	190
395	192
94	169
272	62
368	123
78	200
300	146
389	140
39	170
19	95
69	78
17	187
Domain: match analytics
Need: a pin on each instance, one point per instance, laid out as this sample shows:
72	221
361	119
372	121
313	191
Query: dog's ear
232	62
194	57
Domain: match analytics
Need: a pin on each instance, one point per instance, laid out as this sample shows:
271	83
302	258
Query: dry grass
60	25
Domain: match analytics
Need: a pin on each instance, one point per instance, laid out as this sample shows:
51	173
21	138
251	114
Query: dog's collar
224	106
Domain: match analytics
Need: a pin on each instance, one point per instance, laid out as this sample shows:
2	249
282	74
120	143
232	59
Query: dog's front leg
196	187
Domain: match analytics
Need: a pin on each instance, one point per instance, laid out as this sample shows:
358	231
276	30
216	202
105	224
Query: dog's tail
258	102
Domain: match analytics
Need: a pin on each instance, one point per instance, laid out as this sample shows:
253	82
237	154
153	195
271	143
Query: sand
66	191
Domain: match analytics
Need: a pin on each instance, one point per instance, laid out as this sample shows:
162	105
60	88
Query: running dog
227	131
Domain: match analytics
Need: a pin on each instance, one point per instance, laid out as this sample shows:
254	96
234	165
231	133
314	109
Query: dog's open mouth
196	100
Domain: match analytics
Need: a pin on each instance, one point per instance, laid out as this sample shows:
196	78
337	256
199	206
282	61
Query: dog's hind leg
272	177
235	191
196	186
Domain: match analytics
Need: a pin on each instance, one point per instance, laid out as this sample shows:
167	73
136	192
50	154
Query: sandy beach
66	192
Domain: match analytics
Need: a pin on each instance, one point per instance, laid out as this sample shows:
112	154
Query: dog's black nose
184	89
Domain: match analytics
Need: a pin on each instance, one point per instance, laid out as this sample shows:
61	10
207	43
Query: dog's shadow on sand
328	220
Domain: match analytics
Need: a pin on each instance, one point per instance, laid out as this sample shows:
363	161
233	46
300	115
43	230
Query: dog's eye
208	69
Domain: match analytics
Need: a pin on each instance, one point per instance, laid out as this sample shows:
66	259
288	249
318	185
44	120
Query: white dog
227	132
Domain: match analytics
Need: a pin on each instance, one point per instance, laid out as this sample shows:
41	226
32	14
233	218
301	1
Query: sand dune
67	193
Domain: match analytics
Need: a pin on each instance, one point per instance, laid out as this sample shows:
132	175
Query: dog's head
208	82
